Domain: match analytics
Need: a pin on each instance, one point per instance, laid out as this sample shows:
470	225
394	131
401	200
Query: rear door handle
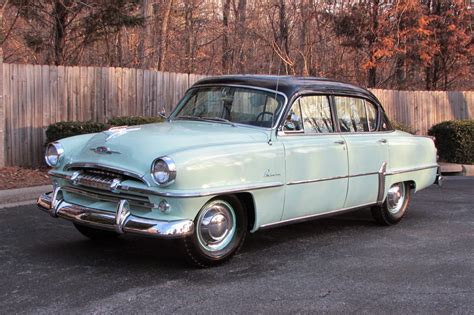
382	141
340	142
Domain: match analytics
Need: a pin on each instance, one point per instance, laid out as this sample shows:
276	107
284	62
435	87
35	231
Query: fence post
2	119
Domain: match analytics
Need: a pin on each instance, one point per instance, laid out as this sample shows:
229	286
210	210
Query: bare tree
401	44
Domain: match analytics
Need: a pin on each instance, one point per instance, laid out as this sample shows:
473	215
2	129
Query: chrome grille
97	179
115	198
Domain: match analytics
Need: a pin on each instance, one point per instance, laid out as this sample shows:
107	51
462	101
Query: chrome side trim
381	190
192	194
121	221
401	171
307	181
137	176
313	216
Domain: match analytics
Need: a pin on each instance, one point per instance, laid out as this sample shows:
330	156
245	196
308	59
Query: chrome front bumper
122	221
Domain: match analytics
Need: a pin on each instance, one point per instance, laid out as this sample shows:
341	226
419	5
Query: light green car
237	155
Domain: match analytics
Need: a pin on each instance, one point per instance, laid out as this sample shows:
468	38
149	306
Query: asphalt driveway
343	264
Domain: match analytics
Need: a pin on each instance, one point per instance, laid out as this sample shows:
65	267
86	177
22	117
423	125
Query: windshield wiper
219	119
188	117
208	119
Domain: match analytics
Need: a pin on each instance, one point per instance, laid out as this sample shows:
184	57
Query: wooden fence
36	96
422	109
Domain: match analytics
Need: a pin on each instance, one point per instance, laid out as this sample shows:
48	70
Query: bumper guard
439	178
122	221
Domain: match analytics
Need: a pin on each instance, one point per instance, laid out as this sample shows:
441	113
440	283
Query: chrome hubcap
396	198
216	226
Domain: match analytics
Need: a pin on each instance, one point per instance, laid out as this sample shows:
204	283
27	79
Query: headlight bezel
171	171
59	153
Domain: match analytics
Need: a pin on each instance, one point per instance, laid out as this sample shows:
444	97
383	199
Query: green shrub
66	129
455	141
133	120
403	127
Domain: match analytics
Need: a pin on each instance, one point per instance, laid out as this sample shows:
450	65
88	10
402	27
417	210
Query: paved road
344	264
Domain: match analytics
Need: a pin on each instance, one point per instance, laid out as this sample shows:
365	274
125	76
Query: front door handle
340	142
382	141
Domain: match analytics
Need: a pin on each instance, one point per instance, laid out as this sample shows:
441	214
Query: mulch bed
18	177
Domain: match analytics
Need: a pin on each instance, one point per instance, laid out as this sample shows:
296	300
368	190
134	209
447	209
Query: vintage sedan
240	154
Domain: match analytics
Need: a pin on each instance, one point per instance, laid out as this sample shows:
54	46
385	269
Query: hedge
403	127
66	129
455	141
133	120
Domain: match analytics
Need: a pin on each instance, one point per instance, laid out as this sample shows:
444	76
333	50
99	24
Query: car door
316	159
367	149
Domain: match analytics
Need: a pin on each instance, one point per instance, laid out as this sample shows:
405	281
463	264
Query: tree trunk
241	16
400	72
60	14
2	34
372	71
283	27
164	36
188	35
372	77
144	43
225	37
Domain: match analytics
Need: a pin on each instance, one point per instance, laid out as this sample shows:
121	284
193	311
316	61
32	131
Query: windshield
228	104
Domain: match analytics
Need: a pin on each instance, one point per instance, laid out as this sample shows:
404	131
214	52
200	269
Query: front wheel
220	229
395	205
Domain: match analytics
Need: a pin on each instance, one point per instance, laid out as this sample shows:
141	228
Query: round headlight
54	153
163	171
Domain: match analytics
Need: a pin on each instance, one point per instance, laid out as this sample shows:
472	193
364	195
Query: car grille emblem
104	150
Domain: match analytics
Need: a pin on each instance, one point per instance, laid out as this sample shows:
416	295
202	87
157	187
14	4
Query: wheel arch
248	202
411	185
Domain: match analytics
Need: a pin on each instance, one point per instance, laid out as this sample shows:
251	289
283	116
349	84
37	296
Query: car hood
134	148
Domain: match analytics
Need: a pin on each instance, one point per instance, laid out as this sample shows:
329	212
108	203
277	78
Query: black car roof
290	85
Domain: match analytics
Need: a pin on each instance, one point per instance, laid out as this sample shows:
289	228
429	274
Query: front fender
219	166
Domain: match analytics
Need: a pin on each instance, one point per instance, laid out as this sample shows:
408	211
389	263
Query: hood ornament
104	150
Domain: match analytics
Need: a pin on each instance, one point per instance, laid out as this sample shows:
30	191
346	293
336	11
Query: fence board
35	96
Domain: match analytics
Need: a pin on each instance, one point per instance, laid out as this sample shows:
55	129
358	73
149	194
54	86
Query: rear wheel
395	205
220	229
95	234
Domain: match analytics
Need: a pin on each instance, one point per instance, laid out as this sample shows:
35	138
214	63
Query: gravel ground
345	264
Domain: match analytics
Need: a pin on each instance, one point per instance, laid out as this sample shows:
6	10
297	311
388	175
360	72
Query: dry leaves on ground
18	177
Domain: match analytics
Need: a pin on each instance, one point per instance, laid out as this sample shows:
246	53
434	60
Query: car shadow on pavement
316	230
146	253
